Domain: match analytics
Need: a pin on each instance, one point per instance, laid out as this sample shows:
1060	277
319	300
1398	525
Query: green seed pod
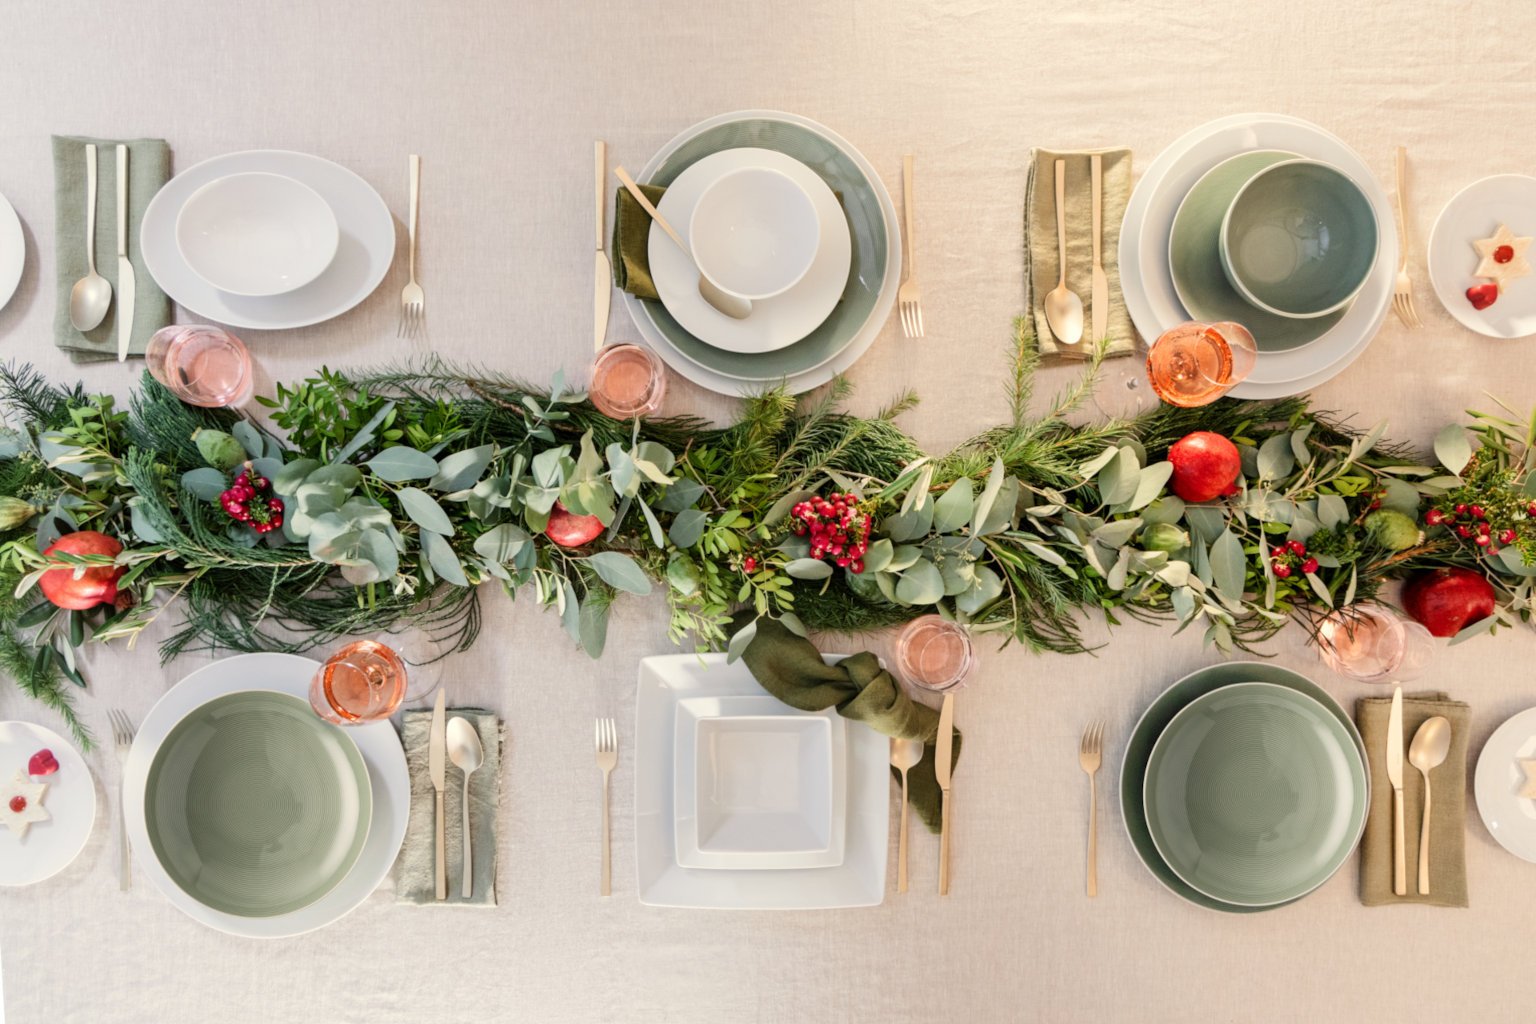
1164	537
218	449
14	512
1392	529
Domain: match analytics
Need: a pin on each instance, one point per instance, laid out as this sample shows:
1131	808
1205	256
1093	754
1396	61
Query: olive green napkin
418	879
149	167
791	668
1447	829
1042	258
631	243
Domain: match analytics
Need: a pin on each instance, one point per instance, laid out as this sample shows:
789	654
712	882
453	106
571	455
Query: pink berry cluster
836	528
1289	557
250	500
1470	522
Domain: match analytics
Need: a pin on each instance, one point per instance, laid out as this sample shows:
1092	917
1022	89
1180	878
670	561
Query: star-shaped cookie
1529	792
21	803
1503	256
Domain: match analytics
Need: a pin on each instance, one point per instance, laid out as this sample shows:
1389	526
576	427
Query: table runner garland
396	491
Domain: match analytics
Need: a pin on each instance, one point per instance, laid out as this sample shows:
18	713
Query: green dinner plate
1151	724
1254	794
1194	259
866	224
254	806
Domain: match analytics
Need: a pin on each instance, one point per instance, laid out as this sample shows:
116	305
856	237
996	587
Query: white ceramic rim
71	761
330	229
1443	277
1495	800
13	251
810	256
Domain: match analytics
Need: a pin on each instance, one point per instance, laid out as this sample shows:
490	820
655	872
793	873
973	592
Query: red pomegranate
570	530
1205	466
1448	600
97	585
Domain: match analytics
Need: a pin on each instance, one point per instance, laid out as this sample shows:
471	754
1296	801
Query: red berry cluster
749	564
250	500
1470	522
1290	556
836	528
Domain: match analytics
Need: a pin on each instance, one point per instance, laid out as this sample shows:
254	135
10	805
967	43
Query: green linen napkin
1447	829
791	668
631	243
1041	256
418	881
149	166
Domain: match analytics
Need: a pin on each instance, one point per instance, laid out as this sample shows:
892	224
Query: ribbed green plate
254	806
1255	794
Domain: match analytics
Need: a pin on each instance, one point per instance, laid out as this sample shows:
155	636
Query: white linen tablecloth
503	101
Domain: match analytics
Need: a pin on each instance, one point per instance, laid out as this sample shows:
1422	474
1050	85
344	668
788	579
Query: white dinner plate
1147	281
13	251
773	323
70	800
689	784
1510	817
363	254
858	882
389	781
1476	212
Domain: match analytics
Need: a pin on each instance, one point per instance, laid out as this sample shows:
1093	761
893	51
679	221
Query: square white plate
858	882
691	782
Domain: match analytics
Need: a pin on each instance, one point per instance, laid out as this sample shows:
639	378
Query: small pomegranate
97	585
570	530
1205	466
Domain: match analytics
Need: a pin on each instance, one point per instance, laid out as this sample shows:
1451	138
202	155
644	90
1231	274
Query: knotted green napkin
791	668
631	243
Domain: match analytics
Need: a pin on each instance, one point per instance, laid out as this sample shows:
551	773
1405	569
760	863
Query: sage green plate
1194	259
1254	794
254	806
866	225
1151	724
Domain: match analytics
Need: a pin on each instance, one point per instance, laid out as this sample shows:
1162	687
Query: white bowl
754	232
257	234
764	784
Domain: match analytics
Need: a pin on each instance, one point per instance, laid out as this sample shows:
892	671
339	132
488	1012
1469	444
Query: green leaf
592	627
622	472
1275	458
1149	484
424	510
683	575
1477	628
988	497
739	641
1298	442
1354	580
1452	448
364	435
681	495
1116	533
986	588
917	496
344	477
249	438
620	571
784	505
443	560
1091	468
398	463
658	538
920	584
954	507
501	543
688	527
459	471
547	467
809	569
1332	511
287	480
206	483
878	556
141	525
588	462
1119	479
570	610
1228	565
910	525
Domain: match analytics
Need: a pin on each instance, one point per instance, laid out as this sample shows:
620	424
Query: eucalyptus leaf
1298	443
142	528
878	556
1276	460
688	527
249	438
287	480
910	525
739	641
1228	564
364	435
680	495
683	575
809	569
986	588
1477	628
1091	468
460	470
441	556
1366	441
622	471
902	557
989	493
920	584
1167	509
1114	534
570	610
1206	521
345	477
1320	589
1332	511
398	463
620	572
205	483
424	510
592	628
1452	448
792	622
1149	485
1044	553
501	543
1118	480
953	508
917	494
658	538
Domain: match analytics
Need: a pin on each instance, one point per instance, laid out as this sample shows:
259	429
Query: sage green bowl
1255	794
254	806
1299	239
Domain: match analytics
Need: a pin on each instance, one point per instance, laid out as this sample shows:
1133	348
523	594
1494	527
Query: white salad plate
378	743
1510	817
13	251
70	800
1147	280
364	251
775	322
859	881
256	234
1473	213
759	784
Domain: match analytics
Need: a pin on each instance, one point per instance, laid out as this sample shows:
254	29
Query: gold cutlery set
1063	306
1431	743
92	295
905	755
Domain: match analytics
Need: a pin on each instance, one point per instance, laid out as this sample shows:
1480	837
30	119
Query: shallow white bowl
257	234
754	232
764	784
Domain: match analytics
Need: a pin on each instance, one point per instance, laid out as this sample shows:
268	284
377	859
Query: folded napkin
1447	829
631	243
149	166
791	668
418	879
1042	258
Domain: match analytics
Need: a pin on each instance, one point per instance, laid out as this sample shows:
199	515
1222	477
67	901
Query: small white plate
49	846
256	233
774	323
858	882
13	251
1476	212
689	786
1510	817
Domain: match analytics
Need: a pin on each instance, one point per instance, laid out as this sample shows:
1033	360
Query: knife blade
943	757
437	755
125	282
1395	777
1100	296
603	281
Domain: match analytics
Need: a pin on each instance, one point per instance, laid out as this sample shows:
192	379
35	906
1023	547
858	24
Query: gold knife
125	282
943	755
1100	296
437	754
1395	776
603	286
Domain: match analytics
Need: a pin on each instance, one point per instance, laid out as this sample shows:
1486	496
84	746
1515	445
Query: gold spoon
905	754
1063	306
1427	752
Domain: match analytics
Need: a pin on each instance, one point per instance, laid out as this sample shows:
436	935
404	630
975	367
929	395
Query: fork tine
919	319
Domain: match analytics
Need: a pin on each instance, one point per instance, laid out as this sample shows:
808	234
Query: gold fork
1089	755
413	301
1402	291
909	297
607	758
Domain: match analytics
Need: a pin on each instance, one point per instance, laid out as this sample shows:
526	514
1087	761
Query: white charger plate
1476	212
363	254
686	785
388	779
858	882
1147	281
13	251
70	800
1510	817
776	322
